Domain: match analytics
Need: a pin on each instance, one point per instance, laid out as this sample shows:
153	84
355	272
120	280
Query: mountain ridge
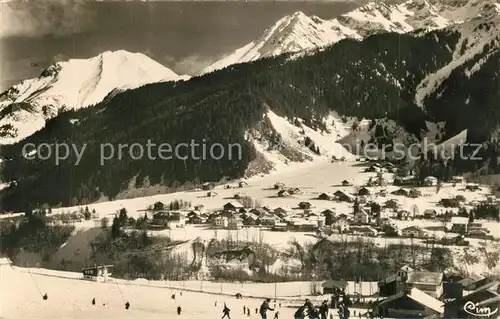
311	32
74	84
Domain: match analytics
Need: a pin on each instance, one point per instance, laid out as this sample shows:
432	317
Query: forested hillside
374	78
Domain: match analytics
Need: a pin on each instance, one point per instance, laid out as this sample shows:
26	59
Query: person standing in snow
127	305
264	308
93	302
45	297
226	311
323	310
179	310
299	314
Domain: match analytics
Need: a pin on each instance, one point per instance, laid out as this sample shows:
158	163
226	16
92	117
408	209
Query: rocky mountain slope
73	84
299	32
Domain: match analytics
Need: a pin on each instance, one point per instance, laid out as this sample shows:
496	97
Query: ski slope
21	292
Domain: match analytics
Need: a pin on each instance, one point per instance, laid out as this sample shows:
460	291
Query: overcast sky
183	36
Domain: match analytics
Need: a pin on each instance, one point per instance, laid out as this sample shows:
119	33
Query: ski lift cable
34	282
119	289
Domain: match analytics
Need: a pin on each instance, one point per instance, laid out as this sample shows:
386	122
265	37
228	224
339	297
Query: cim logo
473	309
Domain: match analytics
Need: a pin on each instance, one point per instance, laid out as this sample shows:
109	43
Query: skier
279	304
226	311
173	296
45	297
181	293
93	302
264	308
127	305
299	314
276	315
179	310
323	310
244	309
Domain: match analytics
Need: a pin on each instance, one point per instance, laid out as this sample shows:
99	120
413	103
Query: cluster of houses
412	293
417	293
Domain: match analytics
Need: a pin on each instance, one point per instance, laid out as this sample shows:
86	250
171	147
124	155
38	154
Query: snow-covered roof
426	300
425	278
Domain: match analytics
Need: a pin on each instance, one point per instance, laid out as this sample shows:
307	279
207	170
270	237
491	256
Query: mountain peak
74	84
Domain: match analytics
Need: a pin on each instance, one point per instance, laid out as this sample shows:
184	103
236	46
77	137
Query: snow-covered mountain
74	84
299	32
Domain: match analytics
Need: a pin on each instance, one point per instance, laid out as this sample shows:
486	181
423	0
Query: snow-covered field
68	297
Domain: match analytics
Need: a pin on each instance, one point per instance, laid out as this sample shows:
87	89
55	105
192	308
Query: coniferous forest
373	78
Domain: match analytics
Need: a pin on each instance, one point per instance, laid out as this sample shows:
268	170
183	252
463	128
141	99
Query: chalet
168	219
326	196
283	193
329	216
430	181
414	193
429	282
305	205
403	215
197	219
414	232
390	230
250	219
346	183
221	222
207	186
459	225
258	211
472	187
404	272
279	185
211	194
361	217
400	192
343	197
363	191
391	204
97	273
334	287
234	223
233	206
327	212
280	211
341	224
267	220
430	214
409	303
